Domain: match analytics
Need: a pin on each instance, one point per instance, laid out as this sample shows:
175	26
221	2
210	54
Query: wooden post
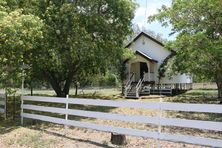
22	91
22	101
67	107
67	114
31	89
118	139
148	64
159	124
129	70
5	106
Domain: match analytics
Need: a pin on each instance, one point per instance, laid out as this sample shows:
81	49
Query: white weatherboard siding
183	78
151	48
158	53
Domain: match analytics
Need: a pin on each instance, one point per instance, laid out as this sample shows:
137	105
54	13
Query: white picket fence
2	103
158	120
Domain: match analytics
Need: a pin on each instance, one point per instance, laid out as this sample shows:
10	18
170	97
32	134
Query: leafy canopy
79	38
19	34
198	44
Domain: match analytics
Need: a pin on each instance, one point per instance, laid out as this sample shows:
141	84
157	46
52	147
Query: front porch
142	70
142	78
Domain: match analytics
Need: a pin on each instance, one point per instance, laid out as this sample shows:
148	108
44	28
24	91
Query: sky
150	7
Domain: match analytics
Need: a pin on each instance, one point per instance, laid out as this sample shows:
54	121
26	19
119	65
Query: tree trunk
76	93
219	86
118	139
55	83
68	82
31	88
123	88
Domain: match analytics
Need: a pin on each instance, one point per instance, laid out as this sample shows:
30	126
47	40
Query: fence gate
158	120
3	104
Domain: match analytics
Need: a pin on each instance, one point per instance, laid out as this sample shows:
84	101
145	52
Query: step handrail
128	84
138	87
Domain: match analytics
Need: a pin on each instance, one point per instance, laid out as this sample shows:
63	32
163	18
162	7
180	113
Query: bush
109	79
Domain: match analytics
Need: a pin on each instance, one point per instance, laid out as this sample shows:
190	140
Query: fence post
5	106
22	91
66	115
21	110
159	121
67	106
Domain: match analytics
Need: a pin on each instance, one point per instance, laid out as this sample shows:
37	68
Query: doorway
143	68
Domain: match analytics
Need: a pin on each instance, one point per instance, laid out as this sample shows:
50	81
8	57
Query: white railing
158	120
128	84
146	77
149	77
138	87
162	89
152	77
3	103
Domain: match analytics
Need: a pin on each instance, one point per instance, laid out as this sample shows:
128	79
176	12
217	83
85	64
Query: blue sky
150	7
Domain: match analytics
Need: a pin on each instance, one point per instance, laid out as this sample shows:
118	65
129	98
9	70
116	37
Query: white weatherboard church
142	70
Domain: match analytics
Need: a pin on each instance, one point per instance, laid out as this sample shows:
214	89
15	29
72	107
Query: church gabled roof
146	35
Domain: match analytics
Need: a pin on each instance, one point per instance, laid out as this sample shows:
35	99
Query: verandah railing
158	120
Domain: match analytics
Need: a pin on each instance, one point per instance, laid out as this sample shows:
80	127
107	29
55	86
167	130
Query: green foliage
67	41
198	44
109	79
19	34
163	67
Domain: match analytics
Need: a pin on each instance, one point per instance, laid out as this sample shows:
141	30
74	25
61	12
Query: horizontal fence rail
2	103
160	121
206	108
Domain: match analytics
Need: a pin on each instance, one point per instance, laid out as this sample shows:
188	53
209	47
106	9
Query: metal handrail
138	86
138	83
128	84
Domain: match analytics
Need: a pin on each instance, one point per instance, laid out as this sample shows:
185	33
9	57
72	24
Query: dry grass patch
27	138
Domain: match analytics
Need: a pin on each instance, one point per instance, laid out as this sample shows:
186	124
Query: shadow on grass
13	116
196	96
8	125
206	96
71	138
13	113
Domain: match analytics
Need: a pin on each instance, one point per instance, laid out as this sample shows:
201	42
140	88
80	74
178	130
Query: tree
78	37
198	44
19	34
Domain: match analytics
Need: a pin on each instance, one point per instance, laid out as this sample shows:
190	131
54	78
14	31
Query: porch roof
146	56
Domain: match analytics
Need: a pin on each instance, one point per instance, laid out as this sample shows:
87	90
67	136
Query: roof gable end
146	35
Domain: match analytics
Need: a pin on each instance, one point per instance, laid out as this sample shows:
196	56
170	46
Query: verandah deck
165	89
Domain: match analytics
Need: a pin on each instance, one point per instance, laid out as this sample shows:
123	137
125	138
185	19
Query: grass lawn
90	91
42	134
202	92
